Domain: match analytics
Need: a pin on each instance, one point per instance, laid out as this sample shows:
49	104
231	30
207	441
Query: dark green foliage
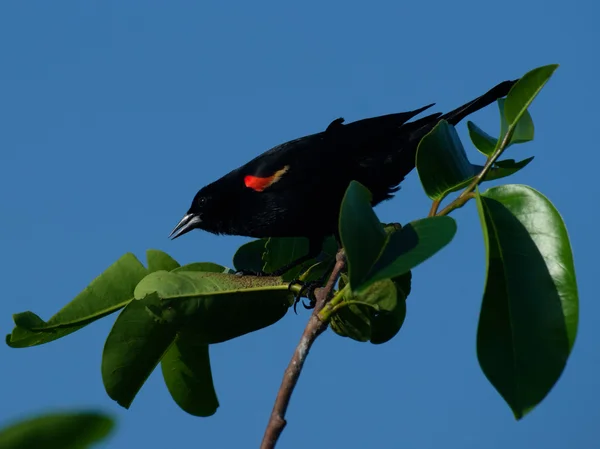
528	322
75	430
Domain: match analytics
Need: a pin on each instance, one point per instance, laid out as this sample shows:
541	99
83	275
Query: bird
295	189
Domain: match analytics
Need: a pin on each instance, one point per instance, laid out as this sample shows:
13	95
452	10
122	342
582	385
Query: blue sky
113	114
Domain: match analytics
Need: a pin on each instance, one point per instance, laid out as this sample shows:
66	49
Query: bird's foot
307	290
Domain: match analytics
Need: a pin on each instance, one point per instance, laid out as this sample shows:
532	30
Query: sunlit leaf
529	314
159	260
108	293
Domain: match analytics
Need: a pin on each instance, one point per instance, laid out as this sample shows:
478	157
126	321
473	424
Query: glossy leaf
186	370
250	256
525	90
280	251
504	168
410	246
218	307
386	324
207	267
529	315
361	232
75	430
442	163
485	143
159	260
375	314
140	337
352	321
270	254
108	293
524	131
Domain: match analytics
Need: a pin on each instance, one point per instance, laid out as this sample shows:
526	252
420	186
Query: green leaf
159	260
376	314
76	430
250	256
108	293
218	307
442	163
529	315
352	321
271	254
361	232
140	337
504	168
186	370
524	91
485	143
283	250
320	267
524	131
207	267
410	246
385	324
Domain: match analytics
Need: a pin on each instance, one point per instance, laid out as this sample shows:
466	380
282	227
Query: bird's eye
202	200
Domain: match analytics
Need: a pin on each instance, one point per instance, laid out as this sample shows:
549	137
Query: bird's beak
187	223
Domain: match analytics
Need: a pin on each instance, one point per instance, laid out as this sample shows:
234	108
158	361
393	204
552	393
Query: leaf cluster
170	314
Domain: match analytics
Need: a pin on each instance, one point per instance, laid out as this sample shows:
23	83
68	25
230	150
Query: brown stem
434	207
313	329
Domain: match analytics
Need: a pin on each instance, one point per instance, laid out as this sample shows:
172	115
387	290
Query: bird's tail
499	91
402	162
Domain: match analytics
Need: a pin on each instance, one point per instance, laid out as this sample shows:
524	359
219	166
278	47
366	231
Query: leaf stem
468	194
434	207
314	328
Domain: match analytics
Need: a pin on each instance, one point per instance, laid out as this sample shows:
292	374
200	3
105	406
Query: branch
313	329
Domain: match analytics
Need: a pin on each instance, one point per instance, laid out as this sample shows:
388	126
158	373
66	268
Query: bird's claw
307	290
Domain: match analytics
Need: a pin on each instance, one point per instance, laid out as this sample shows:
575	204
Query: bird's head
196	216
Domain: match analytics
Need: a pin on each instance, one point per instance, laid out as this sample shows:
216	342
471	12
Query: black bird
295	189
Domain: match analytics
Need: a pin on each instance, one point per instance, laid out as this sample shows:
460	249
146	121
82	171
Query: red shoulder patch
259	184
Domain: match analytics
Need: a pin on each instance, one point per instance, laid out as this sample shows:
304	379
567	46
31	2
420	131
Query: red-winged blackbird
295	189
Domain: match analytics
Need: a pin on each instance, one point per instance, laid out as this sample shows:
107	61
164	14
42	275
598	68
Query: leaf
361	232
529	315
106	294
75	430
375	314
410	246
159	260
281	251
320	267
218	307
385	324
524	91
352	321
524	131
186	370
140	337
250	256
504	168
485	143
442	163
207	267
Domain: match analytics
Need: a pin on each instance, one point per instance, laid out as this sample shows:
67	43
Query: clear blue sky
113	114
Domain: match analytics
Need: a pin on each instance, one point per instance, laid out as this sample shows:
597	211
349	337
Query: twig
313	329
434	207
467	194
